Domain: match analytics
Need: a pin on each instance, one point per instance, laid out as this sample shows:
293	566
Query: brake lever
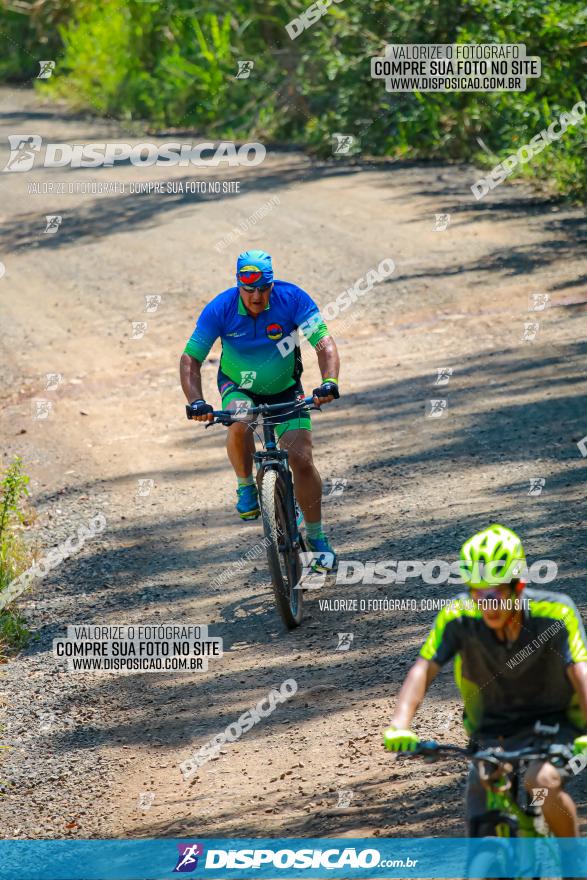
560	754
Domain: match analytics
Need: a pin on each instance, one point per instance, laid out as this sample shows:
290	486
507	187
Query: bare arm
329	363
190	377
328	359
577	673
191	383
413	691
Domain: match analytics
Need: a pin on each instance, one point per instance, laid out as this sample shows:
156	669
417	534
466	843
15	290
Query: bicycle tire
282	557
486	865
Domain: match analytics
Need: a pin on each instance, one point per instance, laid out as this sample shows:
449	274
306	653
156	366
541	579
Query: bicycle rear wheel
282	553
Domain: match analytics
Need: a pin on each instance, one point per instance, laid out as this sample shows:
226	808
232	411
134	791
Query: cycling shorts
230	392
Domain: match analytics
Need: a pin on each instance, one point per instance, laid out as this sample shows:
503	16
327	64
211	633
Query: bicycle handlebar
227	417
554	752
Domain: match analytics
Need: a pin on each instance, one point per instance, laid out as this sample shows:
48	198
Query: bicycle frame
271	456
502	808
527	823
509	820
504	818
278	506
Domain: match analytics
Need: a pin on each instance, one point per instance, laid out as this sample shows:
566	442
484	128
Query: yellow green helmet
492	557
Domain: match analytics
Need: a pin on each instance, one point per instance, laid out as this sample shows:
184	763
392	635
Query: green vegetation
173	64
13	554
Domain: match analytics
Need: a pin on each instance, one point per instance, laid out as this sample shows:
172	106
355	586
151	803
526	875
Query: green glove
580	745
397	740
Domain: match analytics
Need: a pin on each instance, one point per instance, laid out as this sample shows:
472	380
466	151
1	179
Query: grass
14	557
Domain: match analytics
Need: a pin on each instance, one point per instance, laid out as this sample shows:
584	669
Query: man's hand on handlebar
326	392
199	411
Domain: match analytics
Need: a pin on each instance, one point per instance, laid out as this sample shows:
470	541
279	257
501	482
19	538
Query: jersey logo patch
274	331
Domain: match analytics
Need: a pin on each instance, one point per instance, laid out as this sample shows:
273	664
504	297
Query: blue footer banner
286	858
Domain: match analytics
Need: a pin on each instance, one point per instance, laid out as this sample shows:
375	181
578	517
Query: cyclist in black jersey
520	656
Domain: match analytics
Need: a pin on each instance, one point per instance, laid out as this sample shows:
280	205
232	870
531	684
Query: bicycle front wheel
484	866
492	859
282	553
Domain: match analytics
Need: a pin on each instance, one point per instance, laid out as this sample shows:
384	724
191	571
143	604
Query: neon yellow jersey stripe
472	698
567	614
443	618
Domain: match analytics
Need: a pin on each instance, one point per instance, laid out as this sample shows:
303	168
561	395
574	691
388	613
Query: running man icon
22	151
187	860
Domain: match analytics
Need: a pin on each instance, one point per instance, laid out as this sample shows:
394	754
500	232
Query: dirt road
83	748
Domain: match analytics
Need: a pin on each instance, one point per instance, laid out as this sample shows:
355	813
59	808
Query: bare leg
240	445
559	808
307	482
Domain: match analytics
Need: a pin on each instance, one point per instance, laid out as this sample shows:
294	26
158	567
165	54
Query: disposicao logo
24	149
326	859
187	860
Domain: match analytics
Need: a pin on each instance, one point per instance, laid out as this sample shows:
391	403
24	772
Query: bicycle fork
277	459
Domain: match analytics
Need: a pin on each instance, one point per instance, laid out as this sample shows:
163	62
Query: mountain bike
509	814
280	512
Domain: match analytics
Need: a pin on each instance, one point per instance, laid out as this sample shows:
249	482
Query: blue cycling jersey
260	351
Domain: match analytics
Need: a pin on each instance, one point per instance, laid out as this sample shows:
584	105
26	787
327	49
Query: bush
174	66
13	554
29	34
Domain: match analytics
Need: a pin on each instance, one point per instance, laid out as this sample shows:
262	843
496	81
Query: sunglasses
501	599
250	289
485	595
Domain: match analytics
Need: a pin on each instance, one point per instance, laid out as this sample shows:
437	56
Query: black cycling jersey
506	687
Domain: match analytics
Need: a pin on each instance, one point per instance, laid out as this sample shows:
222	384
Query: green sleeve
197	350
444	640
206	332
316	330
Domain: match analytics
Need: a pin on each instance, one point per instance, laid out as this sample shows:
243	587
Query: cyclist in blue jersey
258	321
